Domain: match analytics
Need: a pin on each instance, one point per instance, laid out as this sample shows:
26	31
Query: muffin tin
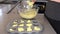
20	26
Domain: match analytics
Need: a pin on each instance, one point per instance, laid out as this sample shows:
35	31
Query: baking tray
18	21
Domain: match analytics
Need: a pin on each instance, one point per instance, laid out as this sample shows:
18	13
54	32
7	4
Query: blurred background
40	3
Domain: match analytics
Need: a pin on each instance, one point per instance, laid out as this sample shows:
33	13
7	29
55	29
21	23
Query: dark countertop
6	18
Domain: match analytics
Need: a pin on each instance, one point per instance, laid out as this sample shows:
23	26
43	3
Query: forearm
56	1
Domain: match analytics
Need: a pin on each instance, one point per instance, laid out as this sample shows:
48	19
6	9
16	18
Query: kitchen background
40	3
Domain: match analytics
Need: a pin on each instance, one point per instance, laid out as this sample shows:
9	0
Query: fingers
33	0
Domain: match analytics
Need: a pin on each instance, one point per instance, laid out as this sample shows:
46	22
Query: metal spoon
14	7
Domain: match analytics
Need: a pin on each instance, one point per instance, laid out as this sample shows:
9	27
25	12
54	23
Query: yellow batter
29	25
14	25
22	21
28	21
30	3
21	25
28	14
29	29
11	30
14	22
36	28
20	29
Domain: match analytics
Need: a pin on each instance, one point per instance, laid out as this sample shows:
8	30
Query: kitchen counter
6	18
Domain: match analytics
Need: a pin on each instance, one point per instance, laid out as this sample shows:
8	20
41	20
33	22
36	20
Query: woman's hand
33	0
56	1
